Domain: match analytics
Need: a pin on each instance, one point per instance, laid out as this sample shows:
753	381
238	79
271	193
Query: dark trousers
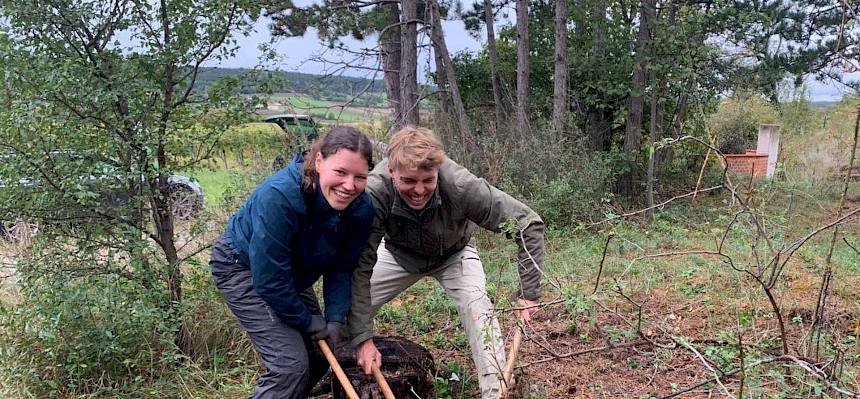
293	363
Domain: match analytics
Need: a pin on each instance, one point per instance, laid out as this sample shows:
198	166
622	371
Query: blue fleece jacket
290	239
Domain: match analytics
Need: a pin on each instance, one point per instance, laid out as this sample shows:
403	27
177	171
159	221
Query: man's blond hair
413	148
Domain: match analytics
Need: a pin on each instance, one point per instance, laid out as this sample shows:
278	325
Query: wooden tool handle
509	366
335	366
380	380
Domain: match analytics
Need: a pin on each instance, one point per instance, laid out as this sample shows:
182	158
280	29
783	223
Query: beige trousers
464	281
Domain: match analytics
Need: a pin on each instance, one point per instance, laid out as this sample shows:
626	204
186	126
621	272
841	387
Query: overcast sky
300	54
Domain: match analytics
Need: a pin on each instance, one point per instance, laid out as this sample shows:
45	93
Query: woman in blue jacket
308	220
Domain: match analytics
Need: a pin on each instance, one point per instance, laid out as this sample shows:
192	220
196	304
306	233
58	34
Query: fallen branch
705	362
812	369
539	305
583	352
725	375
820	375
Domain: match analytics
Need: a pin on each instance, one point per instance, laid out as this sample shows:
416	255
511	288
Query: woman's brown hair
341	137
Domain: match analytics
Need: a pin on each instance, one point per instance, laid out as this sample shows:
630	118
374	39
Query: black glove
317	325
332	331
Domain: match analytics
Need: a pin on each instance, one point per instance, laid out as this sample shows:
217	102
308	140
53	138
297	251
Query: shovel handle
380	380
335	366
509	366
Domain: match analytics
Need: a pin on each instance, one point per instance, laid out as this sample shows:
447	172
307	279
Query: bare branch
799	243
602	259
707	364
626	215
821	375
850	246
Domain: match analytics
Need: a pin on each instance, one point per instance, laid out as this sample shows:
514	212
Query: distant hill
322	87
823	104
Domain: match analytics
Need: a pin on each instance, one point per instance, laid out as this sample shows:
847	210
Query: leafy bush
735	124
258	141
573	197
85	326
566	184
814	154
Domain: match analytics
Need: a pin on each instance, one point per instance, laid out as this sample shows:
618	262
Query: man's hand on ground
366	354
528	307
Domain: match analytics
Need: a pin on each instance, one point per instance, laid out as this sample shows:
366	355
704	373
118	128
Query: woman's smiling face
343	177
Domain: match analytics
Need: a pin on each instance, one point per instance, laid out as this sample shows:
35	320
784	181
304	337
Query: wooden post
702	171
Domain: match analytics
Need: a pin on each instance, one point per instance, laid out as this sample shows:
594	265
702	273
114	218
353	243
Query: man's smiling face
415	186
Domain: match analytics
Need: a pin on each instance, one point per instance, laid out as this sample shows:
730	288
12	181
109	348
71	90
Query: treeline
589	83
252	81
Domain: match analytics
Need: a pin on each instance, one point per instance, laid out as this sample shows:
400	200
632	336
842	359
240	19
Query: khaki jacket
422	241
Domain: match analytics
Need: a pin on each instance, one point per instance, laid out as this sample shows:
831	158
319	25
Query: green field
214	182
324	110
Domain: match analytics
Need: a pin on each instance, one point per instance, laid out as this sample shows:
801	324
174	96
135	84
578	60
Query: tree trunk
654	128
161	215
437	36
632	139
559	98
409	63
489	20
441	78
522	65
444	122
389	45
165	233
597	123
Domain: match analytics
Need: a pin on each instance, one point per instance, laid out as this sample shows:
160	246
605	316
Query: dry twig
705	362
602	259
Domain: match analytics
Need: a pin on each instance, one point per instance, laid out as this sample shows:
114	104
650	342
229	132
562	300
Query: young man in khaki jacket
427	208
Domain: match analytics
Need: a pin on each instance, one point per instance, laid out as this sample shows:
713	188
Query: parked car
301	129
102	177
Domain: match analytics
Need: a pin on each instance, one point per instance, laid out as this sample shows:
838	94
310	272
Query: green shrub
735	124
83	326
573	197
816	153
563	182
567	188
256	143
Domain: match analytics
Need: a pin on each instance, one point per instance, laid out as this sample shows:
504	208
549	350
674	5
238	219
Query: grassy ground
649	320
646	308
215	182
641	330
